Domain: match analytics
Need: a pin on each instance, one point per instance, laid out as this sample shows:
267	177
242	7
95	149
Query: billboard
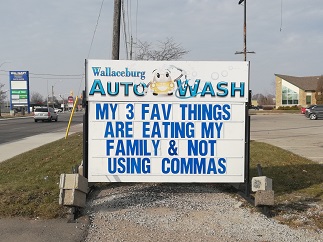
19	89
166	121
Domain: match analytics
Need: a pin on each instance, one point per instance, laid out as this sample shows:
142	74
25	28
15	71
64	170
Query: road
292	132
18	128
20	135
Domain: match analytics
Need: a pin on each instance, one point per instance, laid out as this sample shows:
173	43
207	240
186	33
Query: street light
53	91
62	97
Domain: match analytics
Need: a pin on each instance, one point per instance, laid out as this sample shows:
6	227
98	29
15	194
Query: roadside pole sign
19	89
166	121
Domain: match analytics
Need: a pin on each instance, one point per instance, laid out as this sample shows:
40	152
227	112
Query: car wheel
56	119
35	120
313	116
50	119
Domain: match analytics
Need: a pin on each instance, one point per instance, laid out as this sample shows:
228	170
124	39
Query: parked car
254	107
45	113
303	110
314	112
309	107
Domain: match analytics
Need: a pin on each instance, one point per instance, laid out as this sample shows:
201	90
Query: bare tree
36	97
319	91
2	93
164	50
2	96
264	100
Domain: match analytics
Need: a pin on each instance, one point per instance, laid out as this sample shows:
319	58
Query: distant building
292	90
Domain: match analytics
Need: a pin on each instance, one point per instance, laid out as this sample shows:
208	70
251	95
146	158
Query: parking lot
291	132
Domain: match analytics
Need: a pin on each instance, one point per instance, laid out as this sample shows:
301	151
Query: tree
36	98
319	91
264	100
163	51
2	96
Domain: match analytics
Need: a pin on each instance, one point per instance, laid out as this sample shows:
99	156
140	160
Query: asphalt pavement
292	132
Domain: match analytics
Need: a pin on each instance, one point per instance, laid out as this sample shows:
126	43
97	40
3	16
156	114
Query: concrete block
72	197
73	181
261	183
264	198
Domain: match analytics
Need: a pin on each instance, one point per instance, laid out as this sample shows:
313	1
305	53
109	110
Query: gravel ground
181	212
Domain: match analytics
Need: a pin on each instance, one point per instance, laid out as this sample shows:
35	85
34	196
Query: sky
52	39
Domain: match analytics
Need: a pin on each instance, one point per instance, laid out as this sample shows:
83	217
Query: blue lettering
145	129
126	84
234	89
118	129
155	112
103	112
193	166
208	89
116	88
222	163
144	110
211	167
96	70
109	147
222	87
226	108
208	130
97	87
201	147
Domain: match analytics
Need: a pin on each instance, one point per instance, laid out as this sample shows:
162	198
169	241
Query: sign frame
88	100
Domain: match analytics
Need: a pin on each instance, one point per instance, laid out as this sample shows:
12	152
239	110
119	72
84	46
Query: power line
96	26
44	74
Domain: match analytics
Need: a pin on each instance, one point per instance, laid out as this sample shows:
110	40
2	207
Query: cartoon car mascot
162	82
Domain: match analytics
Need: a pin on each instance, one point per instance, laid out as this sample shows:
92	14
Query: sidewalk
9	150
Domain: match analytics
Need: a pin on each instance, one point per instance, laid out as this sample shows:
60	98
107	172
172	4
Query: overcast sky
54	37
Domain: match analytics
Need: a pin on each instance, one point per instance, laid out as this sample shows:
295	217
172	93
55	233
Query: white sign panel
166	121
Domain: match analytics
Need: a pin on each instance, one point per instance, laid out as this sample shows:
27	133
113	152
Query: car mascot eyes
167	74
158	75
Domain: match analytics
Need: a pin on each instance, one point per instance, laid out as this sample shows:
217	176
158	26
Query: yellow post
70	121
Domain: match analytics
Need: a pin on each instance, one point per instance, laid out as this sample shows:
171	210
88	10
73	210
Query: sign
19	89
166	121
70	101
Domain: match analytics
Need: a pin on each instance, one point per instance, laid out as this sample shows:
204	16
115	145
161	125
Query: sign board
19	89
176	121
70	101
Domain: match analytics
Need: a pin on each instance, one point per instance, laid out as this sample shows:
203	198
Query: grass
297	182
29	182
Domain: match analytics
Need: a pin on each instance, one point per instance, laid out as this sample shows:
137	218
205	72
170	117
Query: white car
45	113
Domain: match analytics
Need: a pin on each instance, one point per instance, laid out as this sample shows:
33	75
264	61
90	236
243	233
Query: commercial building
292	90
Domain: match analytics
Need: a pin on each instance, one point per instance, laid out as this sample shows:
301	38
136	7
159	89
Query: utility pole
116	30
53	95
131	43
244	32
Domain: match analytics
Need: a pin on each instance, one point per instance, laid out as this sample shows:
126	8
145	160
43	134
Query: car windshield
41	110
